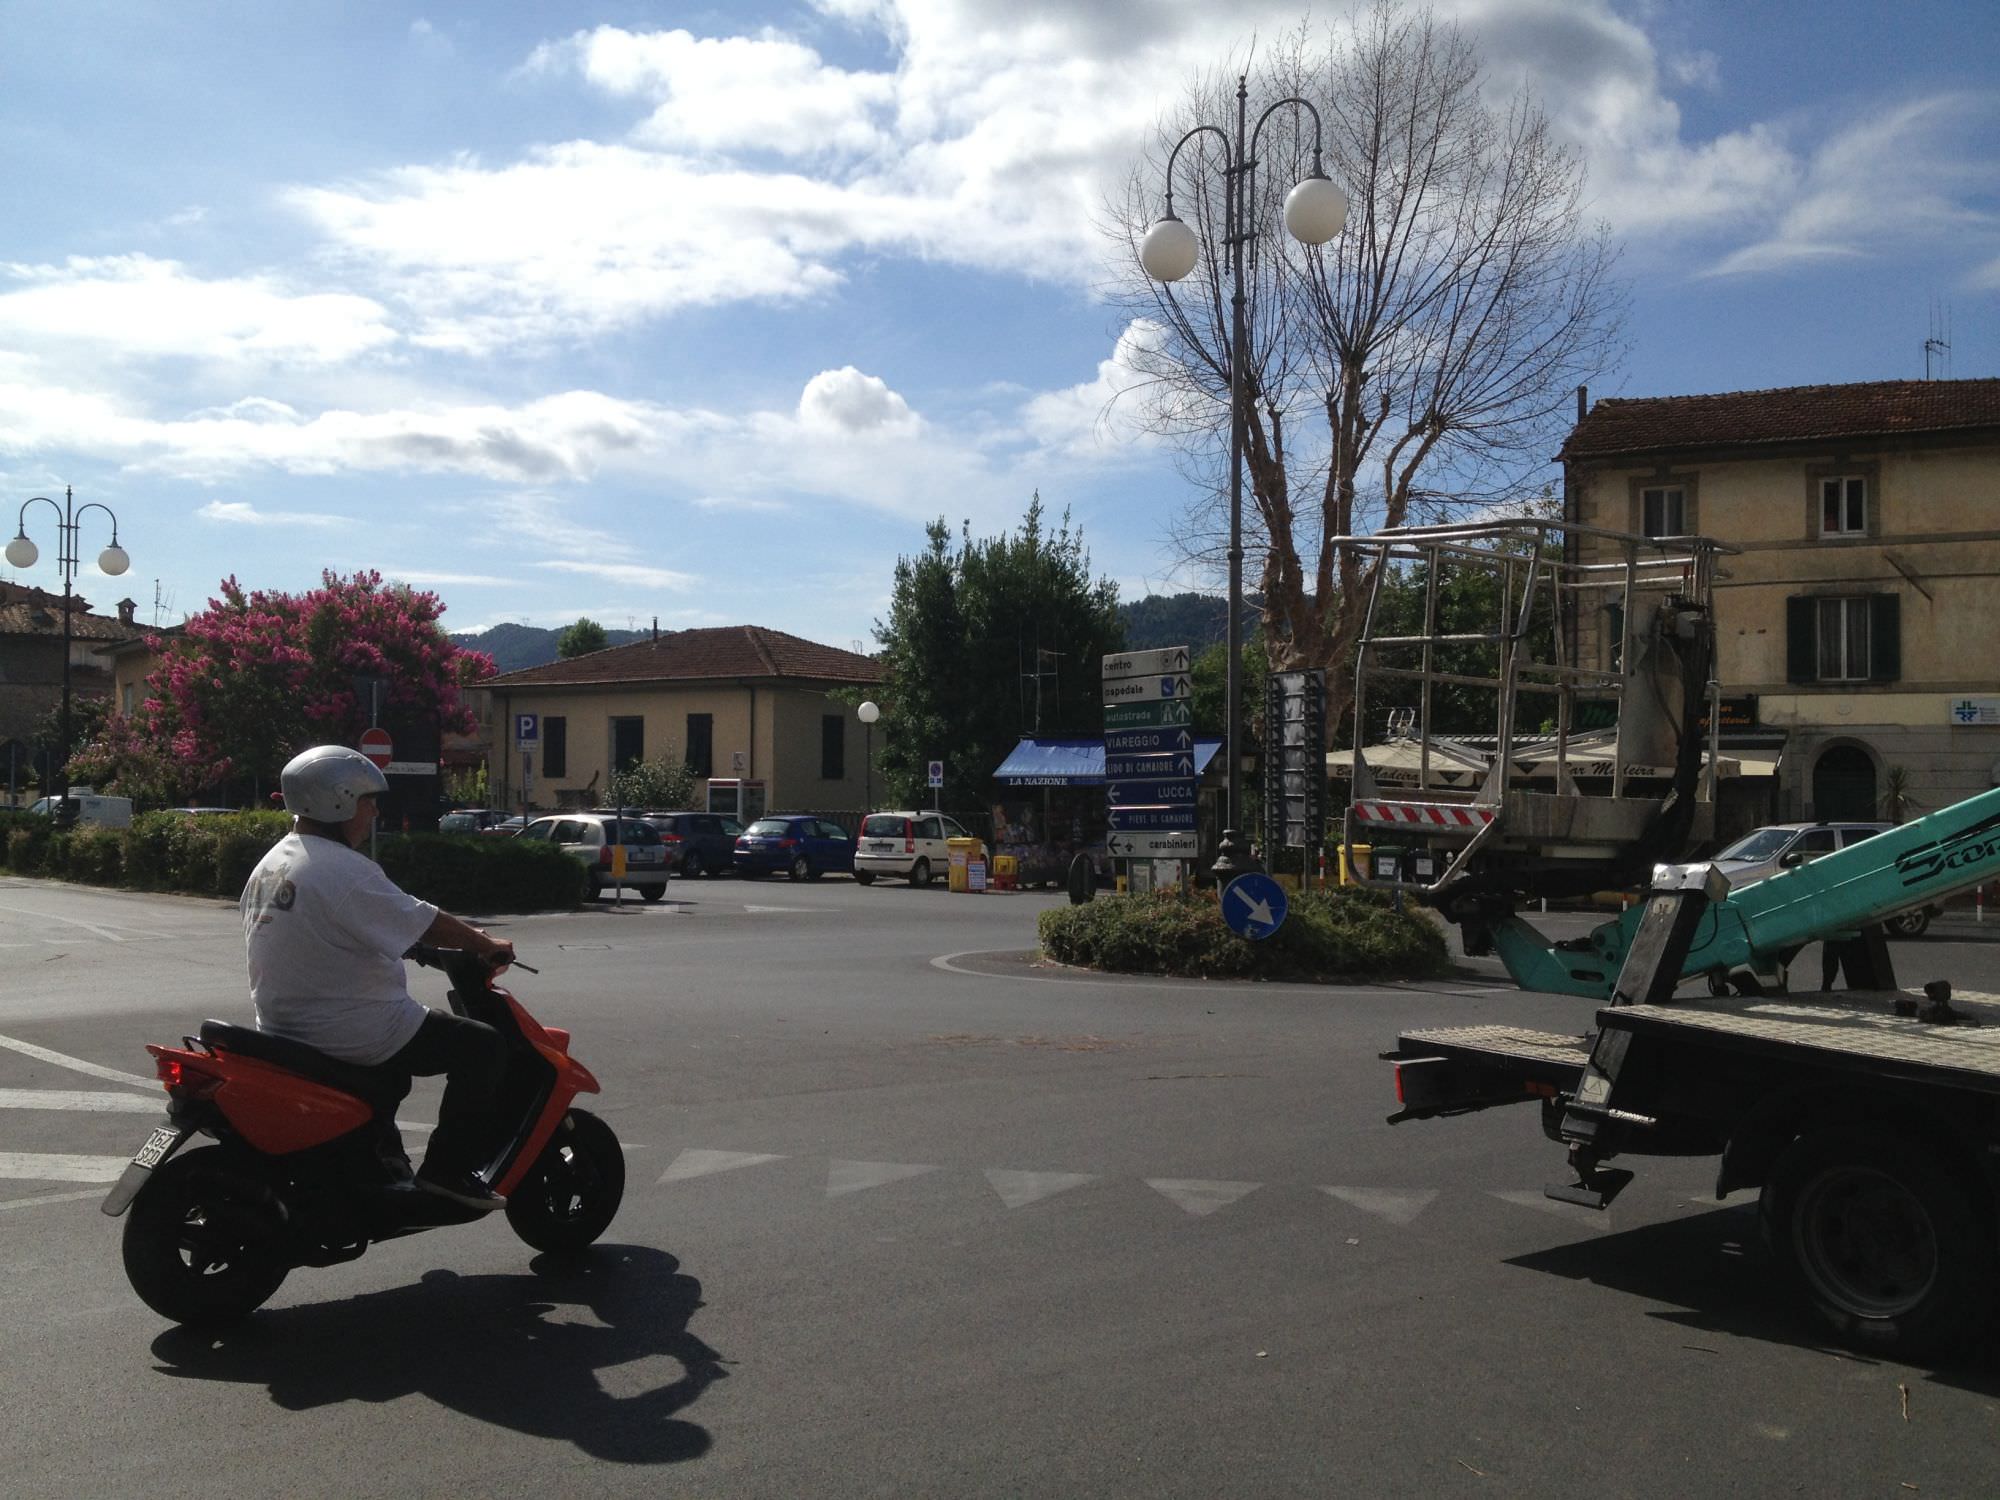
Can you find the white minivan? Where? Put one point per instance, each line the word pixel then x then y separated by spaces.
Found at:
pixel 910 844
pixel 92 809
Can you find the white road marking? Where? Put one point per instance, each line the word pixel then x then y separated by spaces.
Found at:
pixel 788 908
pixel 1198 1195
pixel 90 927
pixel 701 1163
pixel 1019 1189
pixel 854 1176
pixel 51 1166
pixel 1398 1207
pixel 1575 1213
pixel 113 1104
pixel 76 1064
pixel 88 1195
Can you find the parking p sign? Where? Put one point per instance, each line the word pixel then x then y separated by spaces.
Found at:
pixel 937 773
pixel 527 728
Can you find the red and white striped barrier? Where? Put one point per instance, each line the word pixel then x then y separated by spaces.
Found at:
pixel 1423 814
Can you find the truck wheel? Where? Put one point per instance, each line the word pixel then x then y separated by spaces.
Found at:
pixel 1882 1240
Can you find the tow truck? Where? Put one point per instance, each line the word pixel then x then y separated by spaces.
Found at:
pixel 1868 1118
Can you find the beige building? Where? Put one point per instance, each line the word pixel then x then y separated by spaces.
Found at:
pixel 1859 624
pixel 739 703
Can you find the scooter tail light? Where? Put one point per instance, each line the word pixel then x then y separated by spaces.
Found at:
pixel 185 1080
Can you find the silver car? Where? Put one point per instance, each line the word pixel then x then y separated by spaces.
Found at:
pixel 1764 852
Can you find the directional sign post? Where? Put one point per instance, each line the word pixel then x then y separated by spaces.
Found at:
pixel 1149 755
pixel 1254 905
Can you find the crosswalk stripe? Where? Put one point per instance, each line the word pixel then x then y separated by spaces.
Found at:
pixel 75 1064
pixel 1398 1207
pixel 86 1196
pixel 702 1163
pixel 854 1176
pixel 79 1099
pixel 53 1166
pixel 1019 1189
pixel 1199 1195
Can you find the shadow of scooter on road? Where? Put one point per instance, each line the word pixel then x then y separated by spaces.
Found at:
pixel 511 1350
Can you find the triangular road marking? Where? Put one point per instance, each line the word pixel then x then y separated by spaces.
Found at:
pixel 1575 1213
pixel 701 1163
pixel 1398 1207
pixel 1198 1195
pixel 1019 1189
pixel 853 1176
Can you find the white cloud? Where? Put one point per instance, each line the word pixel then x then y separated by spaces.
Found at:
pixel 243 513
pixel 1105 416
pixel 425 578
pixel 631 575
pixel 846 401
pixel 735 504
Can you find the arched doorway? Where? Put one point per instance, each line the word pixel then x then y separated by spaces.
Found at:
pixel 1844 785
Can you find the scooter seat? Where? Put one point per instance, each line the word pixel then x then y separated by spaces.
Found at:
pixel 382 1088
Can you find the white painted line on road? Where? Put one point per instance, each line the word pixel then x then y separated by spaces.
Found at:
pixel 91 927
pixel 854 1176
pixel 788 908
pixel 1198 1195
pixel 51 1166
pixel 702 1163
pixel 110 1104
pixel 1019 1189
pixel 88 1195
pixel 1385 1203
pixel 76 1064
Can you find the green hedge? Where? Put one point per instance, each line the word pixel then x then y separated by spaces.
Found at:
pixel 1340 934
pixel 213 855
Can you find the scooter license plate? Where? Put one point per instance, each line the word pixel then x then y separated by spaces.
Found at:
pixel 158 1144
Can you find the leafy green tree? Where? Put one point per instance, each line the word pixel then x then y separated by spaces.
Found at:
pixel 585 636
pixel 987 642
pixel 664 784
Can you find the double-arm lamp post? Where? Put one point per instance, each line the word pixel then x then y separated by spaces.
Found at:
pixel 1315 211
pixel 21 553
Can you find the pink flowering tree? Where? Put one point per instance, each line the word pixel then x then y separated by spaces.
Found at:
pixel 258 676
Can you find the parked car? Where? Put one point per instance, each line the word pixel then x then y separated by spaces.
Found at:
pixel 591 838
pixel 909 844
pixel 471 820
pixel 506 828
pixel 804 847
pixel 698 843
pixel 1763 852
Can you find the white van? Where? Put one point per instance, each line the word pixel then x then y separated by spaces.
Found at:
pixel 92 810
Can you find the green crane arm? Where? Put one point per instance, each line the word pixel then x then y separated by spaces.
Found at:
pixel 1761 925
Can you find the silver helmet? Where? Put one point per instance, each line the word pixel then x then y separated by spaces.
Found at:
pixel 327 782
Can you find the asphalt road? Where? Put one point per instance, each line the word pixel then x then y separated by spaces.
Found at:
pixel 908 1215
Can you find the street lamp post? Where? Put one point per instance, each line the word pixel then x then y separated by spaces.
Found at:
pixel 21 553
pixel 868 713
pixel 1315 211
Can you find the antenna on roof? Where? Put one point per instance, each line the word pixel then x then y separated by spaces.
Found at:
pixel 1937 348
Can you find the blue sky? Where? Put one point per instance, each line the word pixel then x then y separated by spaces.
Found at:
pixel 701 312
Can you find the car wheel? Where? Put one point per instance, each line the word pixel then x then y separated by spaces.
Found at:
pixel 1911 924
pixel 653 892
pixel 691 866
pixel 1881 1239
pixel 863 877
pixel 920 873
pixel 801 868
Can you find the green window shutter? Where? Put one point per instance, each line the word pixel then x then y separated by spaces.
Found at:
pixel 1616 633
pixel 1885 637
pixel 1801 638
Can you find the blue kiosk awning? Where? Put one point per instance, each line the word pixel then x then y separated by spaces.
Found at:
pixel 1076 762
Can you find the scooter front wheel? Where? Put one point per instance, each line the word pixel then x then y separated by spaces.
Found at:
pixel 199 1243
pixel 572 1193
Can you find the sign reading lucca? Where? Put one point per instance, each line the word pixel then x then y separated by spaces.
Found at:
pixel 1975 711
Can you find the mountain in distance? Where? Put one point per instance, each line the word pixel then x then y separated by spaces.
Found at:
pixel 513 647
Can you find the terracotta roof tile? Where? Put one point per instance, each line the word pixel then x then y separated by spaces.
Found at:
pixel 32 611
pixel 1800 413
pixel 679 655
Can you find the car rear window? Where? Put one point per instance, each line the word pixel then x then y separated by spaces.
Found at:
pixel 765 826
pixel 632 831
pixel 882 826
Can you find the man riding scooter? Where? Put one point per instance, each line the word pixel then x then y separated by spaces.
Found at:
pixel 325 931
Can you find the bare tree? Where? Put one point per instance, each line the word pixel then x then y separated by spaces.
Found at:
pixel 1418 365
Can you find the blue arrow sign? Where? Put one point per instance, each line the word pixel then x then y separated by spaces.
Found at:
pixel 1120 767
pixel 1151 793
pixel 1254 905
pixel 1151 819
pixel 1148 741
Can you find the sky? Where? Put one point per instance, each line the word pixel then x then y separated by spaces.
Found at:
pixel 699 314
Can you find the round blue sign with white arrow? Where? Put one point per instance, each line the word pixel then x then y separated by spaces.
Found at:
pixel 1254 905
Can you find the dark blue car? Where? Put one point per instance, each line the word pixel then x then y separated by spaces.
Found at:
pixel 803 847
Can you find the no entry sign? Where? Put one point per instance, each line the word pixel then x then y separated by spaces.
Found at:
pixel 376 746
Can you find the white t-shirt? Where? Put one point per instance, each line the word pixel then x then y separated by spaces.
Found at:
pixel 325 932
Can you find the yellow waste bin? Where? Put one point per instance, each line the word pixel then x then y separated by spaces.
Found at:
pixel 960 853
pixel 1363 853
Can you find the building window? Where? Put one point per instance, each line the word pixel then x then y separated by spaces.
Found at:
pixel 1663 511
pixel 555 746
pixel 833 747
pixel 628 743
pixel 1843 505
pixel 1854 638
pixel 701 744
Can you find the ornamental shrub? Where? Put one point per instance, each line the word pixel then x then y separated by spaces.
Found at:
pixel 94 856
pixel 240 840
pixel 484 874
pixel 1346 933
pixel 23 836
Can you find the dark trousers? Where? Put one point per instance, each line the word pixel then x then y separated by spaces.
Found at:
pixel 472 1058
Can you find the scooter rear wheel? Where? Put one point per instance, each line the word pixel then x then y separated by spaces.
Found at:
pixel 572 1193
pixel 199 1245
